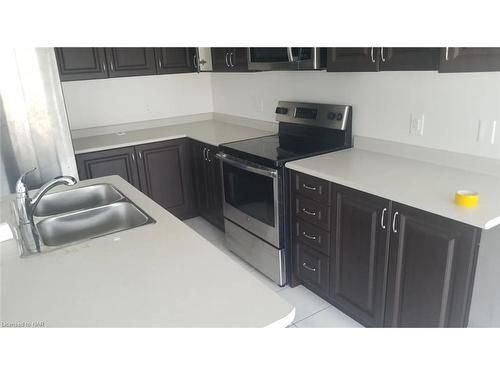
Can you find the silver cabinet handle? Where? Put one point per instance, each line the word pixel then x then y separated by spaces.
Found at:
pixel 112 66
pixel 382 217
pixel 372 56
pixel 208 155
pixel 194 61
pixel 446 53
pixel 308 212
pixel 308 267
pixel 313 188
pixel 133 156
pixel 231 55
pixel 140 154
pixel 394 222
pixel 205 153
pixel 104 66
pixel 309 236
pixel 159 62
pixel 382 54
pixel 227 63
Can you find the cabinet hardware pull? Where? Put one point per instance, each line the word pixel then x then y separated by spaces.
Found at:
pixel 159 62
pixel 112 66
pixel 308 212
pixel 227 55
pixel 140 154
pixel 309 236
pixel 371 55
pixel 382 54
pixel 208 155
pixel 231 59
pixel 382 221
pixel 104 65
pixel 133 156
pixel 313 188
pixel 204 153
pixel 308 267
pixel 394 222
pixel 446 53
pixel 194 61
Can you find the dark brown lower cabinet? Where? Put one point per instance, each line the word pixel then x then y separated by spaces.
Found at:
pixel 208 183
pixel 162 170
pixel 166 176
pixel 384 263
pixel 431 270
pixel 118 161
pixel 359 260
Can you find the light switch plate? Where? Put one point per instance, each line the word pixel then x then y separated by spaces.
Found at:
pixel 417 124
pixel 486 131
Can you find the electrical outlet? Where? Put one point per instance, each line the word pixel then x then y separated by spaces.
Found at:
pixel 486 131
pixel 417 124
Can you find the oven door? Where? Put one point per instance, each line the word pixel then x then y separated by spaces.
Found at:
pixel 251 197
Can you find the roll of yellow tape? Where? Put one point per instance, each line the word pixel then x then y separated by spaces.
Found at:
pixel 466 198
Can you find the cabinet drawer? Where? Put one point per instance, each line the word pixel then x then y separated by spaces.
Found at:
pixel 312 267
pixel 312 212
pixel 312 187
pixel 312 236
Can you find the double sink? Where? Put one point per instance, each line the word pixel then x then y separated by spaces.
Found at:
pixel 88 212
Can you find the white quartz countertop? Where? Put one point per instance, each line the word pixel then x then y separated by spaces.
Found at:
pixel 209 131
pixel 426 186
pixel 158 275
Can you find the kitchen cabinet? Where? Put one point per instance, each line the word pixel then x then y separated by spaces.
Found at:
pixel 353 59
pixel 161 170
pixel 125 62
pixel 229 59
pixel 400 59
pixel 372 59
pixel 431 269
pixel 381 262
pixel 208 183
pixel 118 161
pixel 81 63
pixel 176 60
pixel 166 176
pixel 469 60
pixel 359 260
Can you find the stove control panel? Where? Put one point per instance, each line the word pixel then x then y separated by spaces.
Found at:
pixel 324 115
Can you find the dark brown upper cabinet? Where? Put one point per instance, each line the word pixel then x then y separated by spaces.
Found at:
pixel 176 60
pixel 399 59
pixel 359 263
pixel 353 59
pixel 166 176
pixel 81 63
pixel 229 59
pixel 469 60
pixel 125 62
pixel 119 161
pixel 431 270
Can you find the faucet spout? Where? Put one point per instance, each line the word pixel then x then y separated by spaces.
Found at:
pixel 62 180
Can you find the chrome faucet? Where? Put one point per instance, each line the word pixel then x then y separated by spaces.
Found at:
pixel 25 207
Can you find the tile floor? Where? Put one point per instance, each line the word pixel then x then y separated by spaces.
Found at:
pixel 311 311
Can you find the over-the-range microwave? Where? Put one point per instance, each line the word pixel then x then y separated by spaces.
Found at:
pixel 286 58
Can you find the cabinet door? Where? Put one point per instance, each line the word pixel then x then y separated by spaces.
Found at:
pixel 353 59
pixel 220 60
pixel 409 58
pixel 165 173
pixel 359 260
pixel 175 60
pixel 469 60
pixel 81 63
pixel 238 59
pixel 124 62
pixel 431 270
pixel 215 188
pixel 120 161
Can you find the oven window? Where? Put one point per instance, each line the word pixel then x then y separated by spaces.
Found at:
pixel 250 193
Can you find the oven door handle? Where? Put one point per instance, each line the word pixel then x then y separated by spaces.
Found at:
pixel 246 167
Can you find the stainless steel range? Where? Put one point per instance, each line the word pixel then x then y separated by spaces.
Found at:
pixel 255 180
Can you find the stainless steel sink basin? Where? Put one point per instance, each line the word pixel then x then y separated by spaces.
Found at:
pixel 77 199
pixel 90 223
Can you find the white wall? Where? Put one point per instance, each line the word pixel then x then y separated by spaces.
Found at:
pixel 104 102
pixel 382 102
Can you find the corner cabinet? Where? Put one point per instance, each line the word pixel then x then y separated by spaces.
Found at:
pixel 161 170
pixel 381 262
pixel 208 182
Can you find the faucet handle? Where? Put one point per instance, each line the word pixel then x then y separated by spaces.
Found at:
pixel 21 187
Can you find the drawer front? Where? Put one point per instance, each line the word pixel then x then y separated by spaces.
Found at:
pixel 312 187
pixel 312 267
pixel 312 236
pixel 312 212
